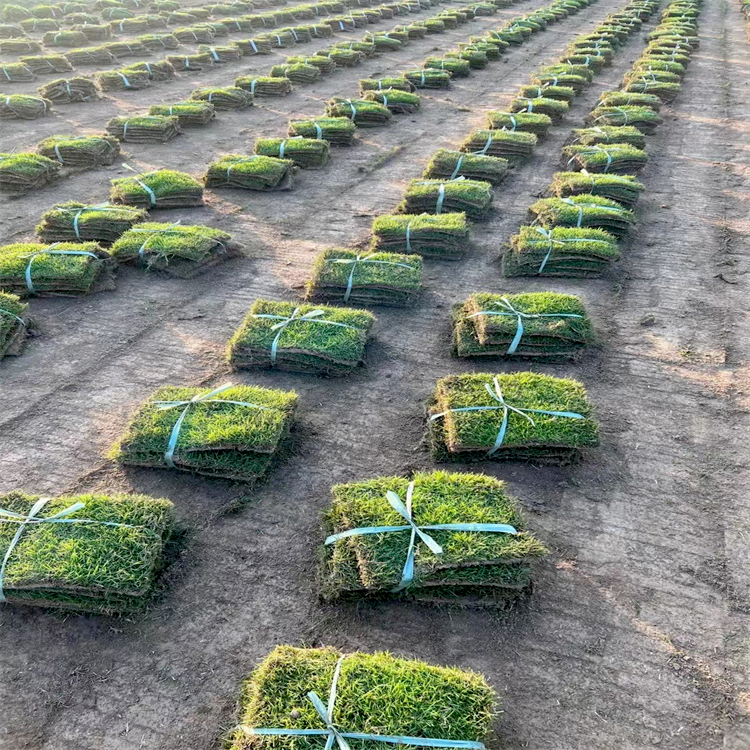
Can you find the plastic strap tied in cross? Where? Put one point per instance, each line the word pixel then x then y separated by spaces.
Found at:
pixel 363 259
pixel 50 251
pixel 581 206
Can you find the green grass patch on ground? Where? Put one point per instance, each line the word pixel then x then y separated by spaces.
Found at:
pixel 16 73
pixel 338 131
pixel 194 63
pixel 251 172
pixel 624 189
pixel 667 92
pixel 613 158
pixel 461 427
pixel 91 56
pixel 369 278
pixel 522 122
pixel 85 152
pixel 21 173
pixel 375 694
pixel 216 437
pixel 590 211
pixel 443 235
pixel 301 338
pixel 472 197
pixel 451 164
pixel 13 324
pixel 163 188
pixel 306 153
pixel 77 222
pixel 156 71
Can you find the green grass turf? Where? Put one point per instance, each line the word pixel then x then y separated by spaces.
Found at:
pixel 431 235
pixel 473 197
pixel 307 153
pixel 164 183
pixel 626 114
pixel 228 97
pixel 23 106
pixel 361 112
pixel 12 330
pixel 26 165
pixel 376 693
pixel 188 113
pixel 448 164
pixel 563 93
pixel 624 189
pixel 378 84
pixel 397 101
pixel 429 78
pixel 553 108
pixel 610 157
pixel 605 134
pixel 528 122
pixel 335 130
pixel 97 223
pixel 457 67
pixel 250 172
pixel 588 211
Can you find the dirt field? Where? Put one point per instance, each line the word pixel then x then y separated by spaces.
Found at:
pixel 637 635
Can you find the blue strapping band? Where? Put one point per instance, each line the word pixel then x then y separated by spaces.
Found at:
pixel 363 259
pixel 50 251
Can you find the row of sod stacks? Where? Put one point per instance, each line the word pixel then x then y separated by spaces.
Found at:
pixel 250 172
pixel 486 559
pixel 235 432
pixel 163 188
pixel 103 558
pixel 22 173
pixel 14 325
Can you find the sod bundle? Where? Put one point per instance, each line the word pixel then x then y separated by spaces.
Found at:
pixel 158 42
pixel 344 58
pixel 163 188
pixel 306 153
pixel 14 326
pixel 16 73
pixel 250 172
pixel 90 56
pixel 179 250
pixel 458 68
pixel 363 113
pixel 265 85
pixel 609 158
pixel 157 71
pixel 586 210
pixel 624 189
pixel 144 128
pixel 520 122
pixel 572 80
pixel 45 64
pixel 338 131
pixel 228 97
pixel 64 39
pixel 645 119
pixel 235 432
pixel 79 222
pixel 560 251
pixel 605 134
pixel 69 90
pixel 667 92
pixel 534 325
pixel 513 145
pixel 443 235
pixel 370 278
pixel 376 694
pixel 380 84
pixel 93 32
pixel 123 80
pixel 300 73
pixel 324 64
pixel 257 46
pixel 64 269
pixel 194 35
pixel 190 62
pixel 23 107
pixel 11 30
pixel 221 55
pixel 188 114
pixel 19 46
pixel 126 49
pixel 561 93
pixel 553 108
pixel 471 197
pixel 104 559
pixel 398 102
pixel 301 338
pixel 518 402
pixel 24 172
pixel 447 164
pixel 429 78
pixel 84 152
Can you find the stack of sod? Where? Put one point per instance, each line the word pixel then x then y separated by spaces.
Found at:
pixel 158 71
pixel 624 189
pixel 234 432
pixel 306 153
pixel 228 97
pixel 519 122
pixel 370 278
pixel 257 46
pixel 645 119
pixel 123 80
pixel 488 565
pixel 90 56
pixel 19 46
pixel 537 325
pixel 11 30
pixel 94 32
pixel 64 39
pixel 179 250
pixel 532 417
pixel 363 113
pixel 379 84
pixel 44 64
pixel 608 134
pixel 397 101
pixel 194 34
pixel 16 73
pixel 65 268
pixel 84 152
pixel 23 107
pixel 221 55
pixel 457 67
pixel 561 251
pixel 609 158
pixel 429 78
pixel 345 58
pixel 187 113
pixel 451 164
pixel 193 63
pixel 300 73
pixel 375 694
pixel 163 188
pixel 250 172
pixel 585 210
pixel 561 93
pixel 301 338
pixel 575 81
pixel 472 197
pixel 69 90
pixel 13 325
pixel 666 91
pixel 75 221
pixel 515 146
pixel 553 108
pixel 104 559
pixel 324 64
pixel 144 128
pixel 158 42
pixel 21 173
pixel 265 85
pixel 443 236
pixel 338 131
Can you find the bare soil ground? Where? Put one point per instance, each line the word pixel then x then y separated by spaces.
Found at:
pixel 637 635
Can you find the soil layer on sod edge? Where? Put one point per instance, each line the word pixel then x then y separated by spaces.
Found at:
pixel 636 634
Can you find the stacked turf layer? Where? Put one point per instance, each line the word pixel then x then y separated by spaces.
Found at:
pixel 306 153
pixel 232 440
pixel 158 71
pixel 229 97
pixel 369 278
pixel 265 85
pixel 163 188
pixel 472 197
pixel 108 566
pixel 375 694
pixel 179 250
pixel 53 273
pixel 85 152
pixel 250 172
pixel 473 568
pixel 363 113
pixel 475 434
pixel 21 173
pixel 397 101
pixel 144 128
pixel 429 78
pixel 584 210
pixel 69 90
pixel 451 164
pixel 553 108
pixel 381 84
pixel 606 134
pixel 515 146
pixel 45 64
pixel 607 158
pixel 620 98
pixel 521 122
pixel 13 324
pixel 329 342
pixel 552 326
pixel 338 131
pixel 187 113
pixel 624 189
pixel 75 221
pixel 561 251
pixel 16 73
pixel 123 80
pixel 645 119
pixel 432 236
pixel 23 107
